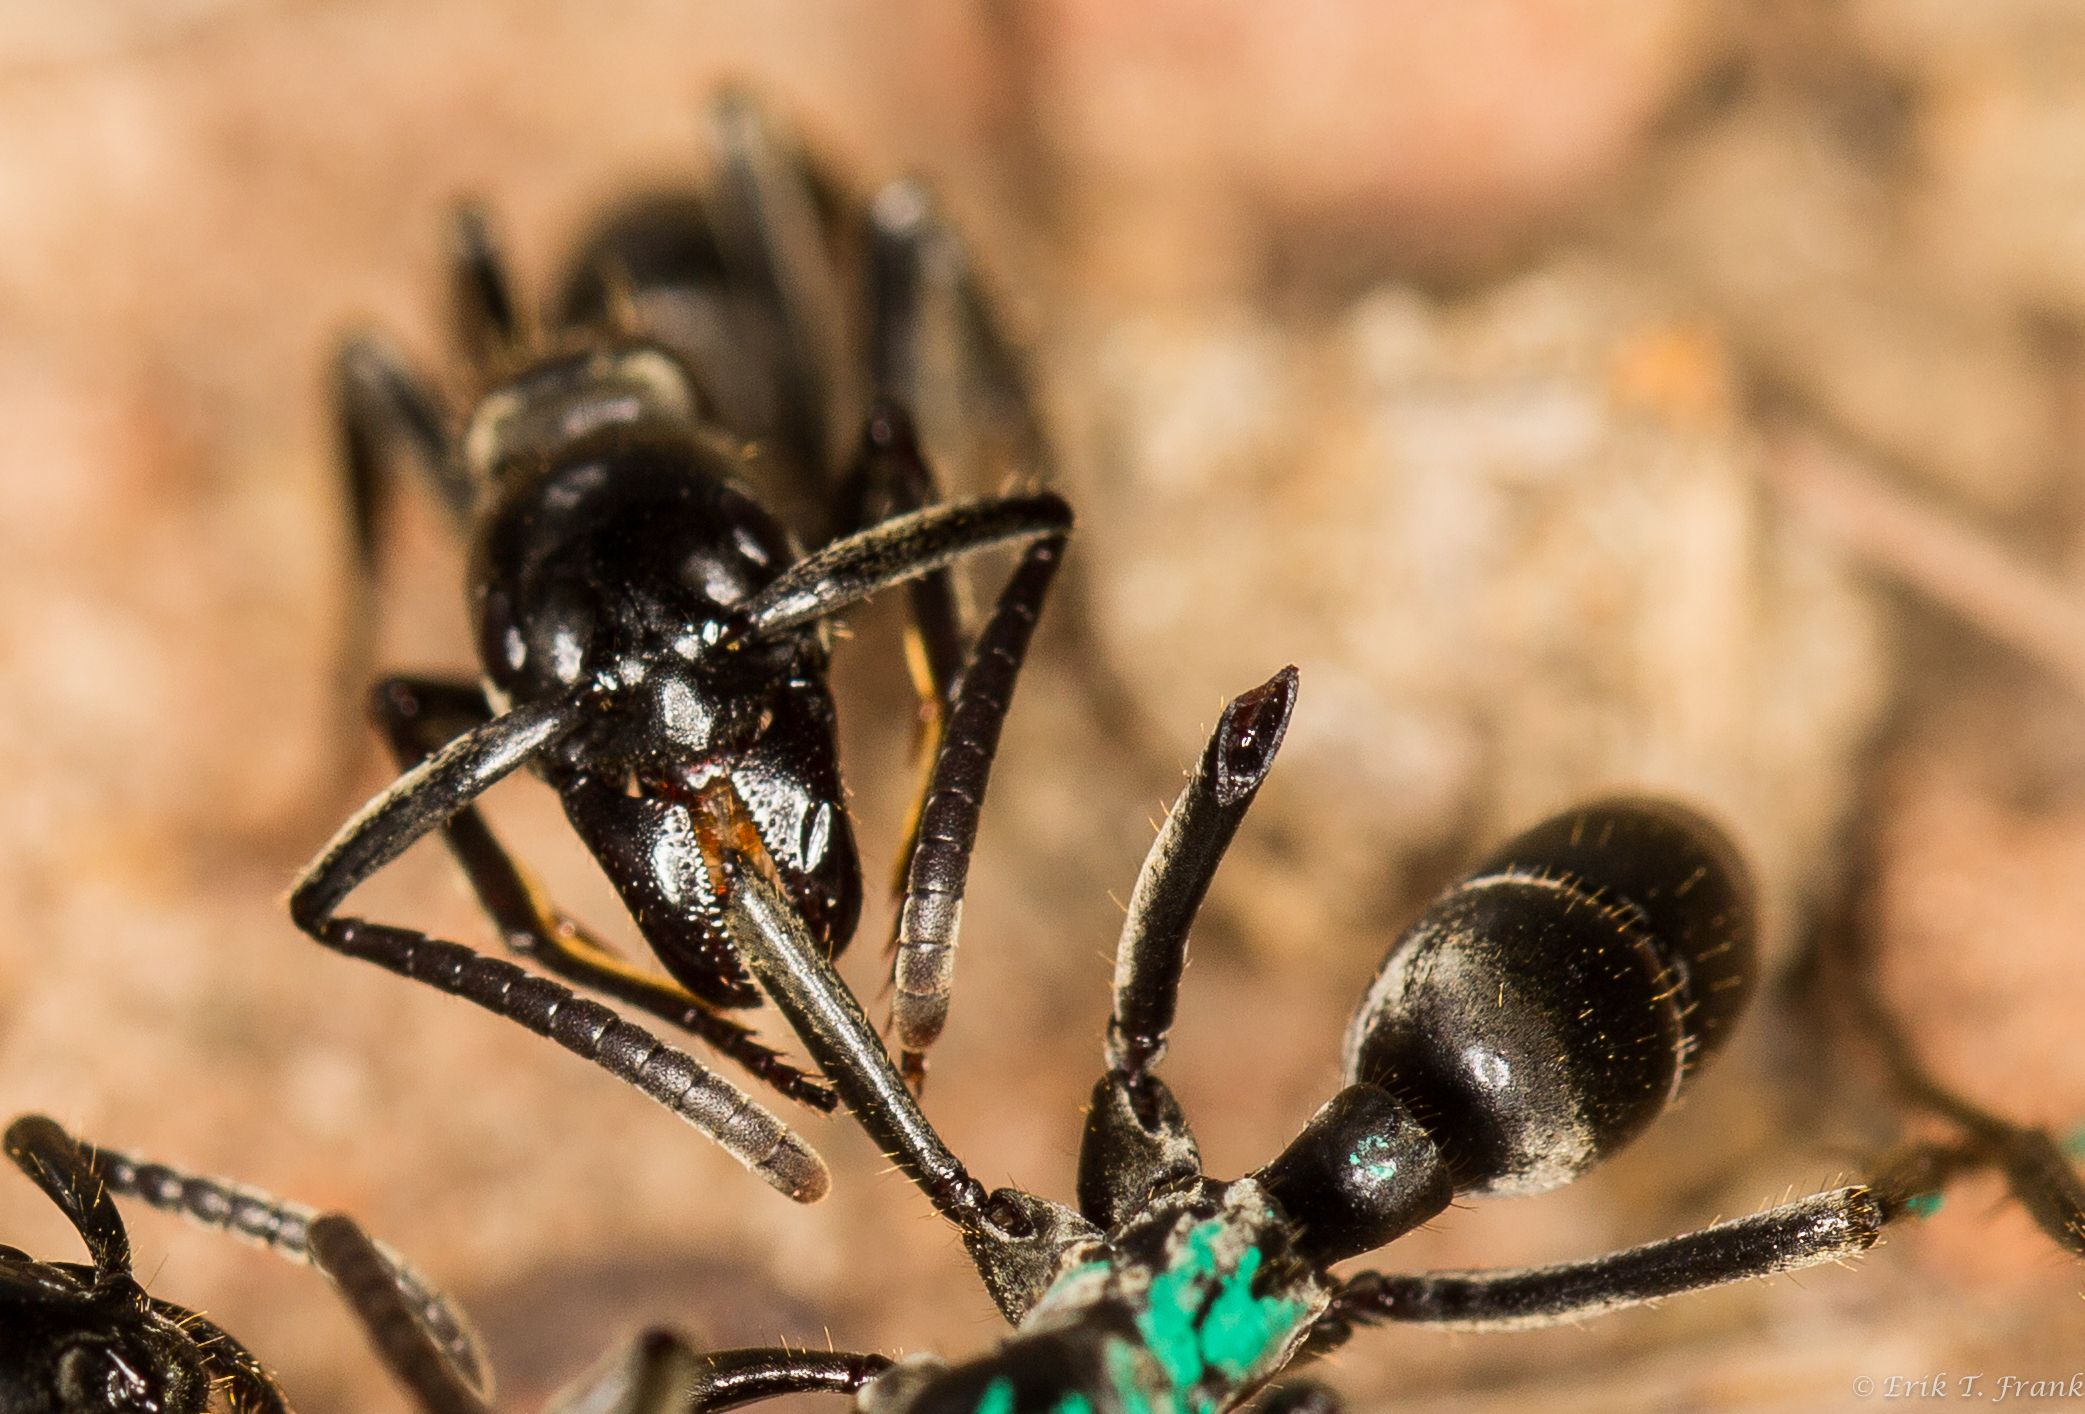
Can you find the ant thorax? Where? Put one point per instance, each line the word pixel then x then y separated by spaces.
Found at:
pixel 1192 1303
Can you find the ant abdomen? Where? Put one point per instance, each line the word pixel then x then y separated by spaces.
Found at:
pixel 1538 1015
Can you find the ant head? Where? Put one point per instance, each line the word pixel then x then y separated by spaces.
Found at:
pixel 66 1351
pixel 1541 1013
pixel 79 1338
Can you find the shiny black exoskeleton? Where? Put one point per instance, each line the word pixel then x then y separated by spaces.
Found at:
pixel 653 643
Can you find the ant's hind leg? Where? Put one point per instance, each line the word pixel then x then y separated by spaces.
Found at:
pixel 775 240
pixel 1825 1227
pixel 2035 1167
pixel 419 716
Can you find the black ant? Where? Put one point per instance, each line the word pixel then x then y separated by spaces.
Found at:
pixel 1537 1017
pixel 89 1340
pixel 650 636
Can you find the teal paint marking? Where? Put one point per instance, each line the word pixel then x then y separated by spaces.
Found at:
pixel 1376 1170
pixel 1922 1205
pixel 1073 1404
pixel 1240 1328
pixel 1199 1319
pixel 2074 1142
pixel 1072 1275
pixel 1122 1373
pixel 998 1398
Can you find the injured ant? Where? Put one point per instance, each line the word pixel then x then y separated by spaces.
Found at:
pixel 88 1340
pixel 650 636
pixel 1537 1017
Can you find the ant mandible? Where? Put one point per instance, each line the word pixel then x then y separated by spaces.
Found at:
pixel 649 636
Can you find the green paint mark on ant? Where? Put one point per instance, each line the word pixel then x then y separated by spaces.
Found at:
pixel 1376 1170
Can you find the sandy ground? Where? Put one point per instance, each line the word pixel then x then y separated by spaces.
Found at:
pixel 1676 397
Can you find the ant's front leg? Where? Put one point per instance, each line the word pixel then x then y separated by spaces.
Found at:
pixel 428 796
pixel 923 959
pixel 1826 1227
pixel 1137 1139
pixel 417 717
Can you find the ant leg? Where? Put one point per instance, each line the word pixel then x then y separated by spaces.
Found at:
pixel 1017 1241
pixel 489 322
pixel 382 410
pixel 2041 1178
pixel 390 1316
pixel 382 407
pixel 891 552
pixel 1137 1139
pixel 281 1227
pixel 1825 1227
pixel 418 716
pixel 921 274
pixel 774 240
pixel 891 477
pixel 660 1373
pixel 427 796
pixel 923 962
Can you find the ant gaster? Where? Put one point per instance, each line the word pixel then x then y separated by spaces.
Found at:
pixel 652 643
